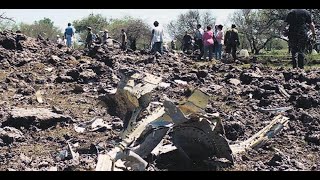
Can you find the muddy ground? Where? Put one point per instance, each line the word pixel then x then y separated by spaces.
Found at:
pixel 72 83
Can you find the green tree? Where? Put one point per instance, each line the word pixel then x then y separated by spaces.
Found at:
pixel 96 21
pixel 259 26
pixel 136 29
pixel 44 27
pixel 277 44
pixel 8 25
pixel 188 22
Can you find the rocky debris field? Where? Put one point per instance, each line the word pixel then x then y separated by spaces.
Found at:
pixel 51 109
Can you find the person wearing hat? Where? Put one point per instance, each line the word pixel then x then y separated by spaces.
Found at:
pixel 105 36
pixel 59 40
pixel 89 38
pixel 68 34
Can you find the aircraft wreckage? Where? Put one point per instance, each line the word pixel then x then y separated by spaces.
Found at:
pixel 197 135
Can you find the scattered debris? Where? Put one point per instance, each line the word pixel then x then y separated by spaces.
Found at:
pixel 262 136
pixel 40 117
pixel 53 168
pixel 79 129
pixel 9 134
pixel 283 91
pixel 275 110
pixel 152 113
pixel 74 155
pixel 96 124
pixel 99 124
pixel 164 85
pixel 180 82
pixel 39 97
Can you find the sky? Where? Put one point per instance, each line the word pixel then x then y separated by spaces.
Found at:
pixel 61 17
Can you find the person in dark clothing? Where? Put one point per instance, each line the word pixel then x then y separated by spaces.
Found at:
pixel 173 45
pixel 231 41
pixel 133 44
pixel 98 39
pixel 18 38
pixel 299 20
pixel 187 42
pixel 89 38
pixel 198 40
pixel 105 37
pixel 123 40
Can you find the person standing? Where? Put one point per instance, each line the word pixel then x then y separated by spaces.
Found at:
pixel 68 35
pixel 124 40
pixel 215 43
pixel 89 39
pixel 173 45
pixel 187 42
pixel 219 40
pixel 133 44
pixel 18 38
pixel 157 38
pixel 198 40
pixel 208 37
pixel 231 41
pixel 60 42
pixel 105 36
pixel 299 20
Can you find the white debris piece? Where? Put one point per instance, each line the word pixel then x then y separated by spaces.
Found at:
pixel 100 123
pixel 161 149
pixel 79 129
pixel 164 85
pixel 180 82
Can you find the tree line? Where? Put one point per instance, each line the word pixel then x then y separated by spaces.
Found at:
pixel 137 29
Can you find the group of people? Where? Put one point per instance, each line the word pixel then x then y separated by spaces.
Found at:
pixel 299 22
pixel 95 38
pixel 211 42
pixel 67 38
pixel 208 42
pixel 69 33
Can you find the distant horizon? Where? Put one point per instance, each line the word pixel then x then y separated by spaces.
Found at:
pixel 61 17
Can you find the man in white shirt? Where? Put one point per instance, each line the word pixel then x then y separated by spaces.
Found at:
pixel 59 40
pixel 157 38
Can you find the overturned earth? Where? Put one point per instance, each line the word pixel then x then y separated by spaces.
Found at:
pixel 47 93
